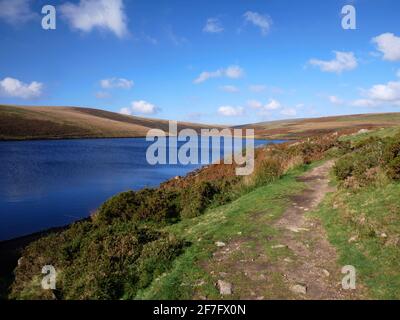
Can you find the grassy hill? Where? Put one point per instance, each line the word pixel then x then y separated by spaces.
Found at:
pixel 298 128
pixel 21 123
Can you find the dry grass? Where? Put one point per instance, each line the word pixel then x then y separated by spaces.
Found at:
pixel 299 128
pixel 20 123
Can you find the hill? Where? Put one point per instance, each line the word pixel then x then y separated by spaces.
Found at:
pixel 299 128
pixel 24 123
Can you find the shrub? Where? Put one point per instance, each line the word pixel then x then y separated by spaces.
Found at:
pixel 267 171
pixel 109 262
pixel 394 168
pixel 148 204
pixel 344 167
pixel 195 199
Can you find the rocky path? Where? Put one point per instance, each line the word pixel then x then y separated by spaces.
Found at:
pixel 300 264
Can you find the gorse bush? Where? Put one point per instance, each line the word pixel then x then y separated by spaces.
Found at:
pixel 105 262
pixel 196 199
pixel 148 204
pixel 370 161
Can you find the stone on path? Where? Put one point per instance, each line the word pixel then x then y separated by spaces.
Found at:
pixel 299 289
pixel 220 244
pixel 225 288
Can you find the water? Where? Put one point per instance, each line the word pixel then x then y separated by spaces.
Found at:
pixel 45 184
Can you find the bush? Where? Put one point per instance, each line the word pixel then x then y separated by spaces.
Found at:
pixel 106 262
pixel 197 198
pixel 148 204
pixel 394 168
pixel 267 171
pixel 344 167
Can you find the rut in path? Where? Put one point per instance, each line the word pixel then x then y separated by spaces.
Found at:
pixel 309 270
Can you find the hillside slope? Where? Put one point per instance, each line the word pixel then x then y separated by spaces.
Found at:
pixel 20 123
pixel 298 128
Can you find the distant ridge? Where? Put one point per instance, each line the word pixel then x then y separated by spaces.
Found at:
pixel 25 123
pixel 300 128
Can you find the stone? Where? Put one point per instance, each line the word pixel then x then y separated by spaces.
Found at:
pixel 353 239
pixel 299 289
pixel 220 244
pixel 279 246
pixel 326 272
pixel 225 288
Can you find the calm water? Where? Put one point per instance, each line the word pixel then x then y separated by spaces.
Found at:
pixel 45 184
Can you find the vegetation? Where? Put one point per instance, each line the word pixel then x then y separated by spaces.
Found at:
pixel 363 217
pixel 151 244
pixel 127 243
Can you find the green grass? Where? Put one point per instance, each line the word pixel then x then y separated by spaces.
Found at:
pixel 381 133
pixel 372 215
pixel 250 217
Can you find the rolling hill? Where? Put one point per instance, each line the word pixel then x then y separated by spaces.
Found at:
pixel 300 128
pixel 24 123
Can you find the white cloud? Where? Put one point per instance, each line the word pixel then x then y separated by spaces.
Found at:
pixel 230 89
pixel 398 73
pixel 232 72
pixel 389 45
pixel 229 111
pixel 13 88
pixel 265 108
pixel 126 111
pixel 144 107
pixel 213 25
pixel 273 105
pixel 380 94
pixel 344 61
pixel 335 100
pixel 16 11
pixel 290 112
pixel 385 92
pixel 257 88
pixel 264 22
pixel 92 14
pixel 119 83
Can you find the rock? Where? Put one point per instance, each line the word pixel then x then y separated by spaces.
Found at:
pixel 20 261
pixel 225 288
pixel 279 246
pixel 260 298
pixel 220 244
pixel 363 131
pixel 383 235
pixel 299 289
pixel 353 239
pixel 297 230
pixel 326 272
pixel 288 260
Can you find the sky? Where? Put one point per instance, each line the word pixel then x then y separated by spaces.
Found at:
pixel 220 61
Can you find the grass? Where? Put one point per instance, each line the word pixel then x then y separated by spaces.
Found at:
pixel 381 133
pixel 250 217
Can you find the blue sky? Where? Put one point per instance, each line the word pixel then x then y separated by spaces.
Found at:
pixel 225 61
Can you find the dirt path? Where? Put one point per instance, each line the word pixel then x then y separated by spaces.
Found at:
pixel 300 265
